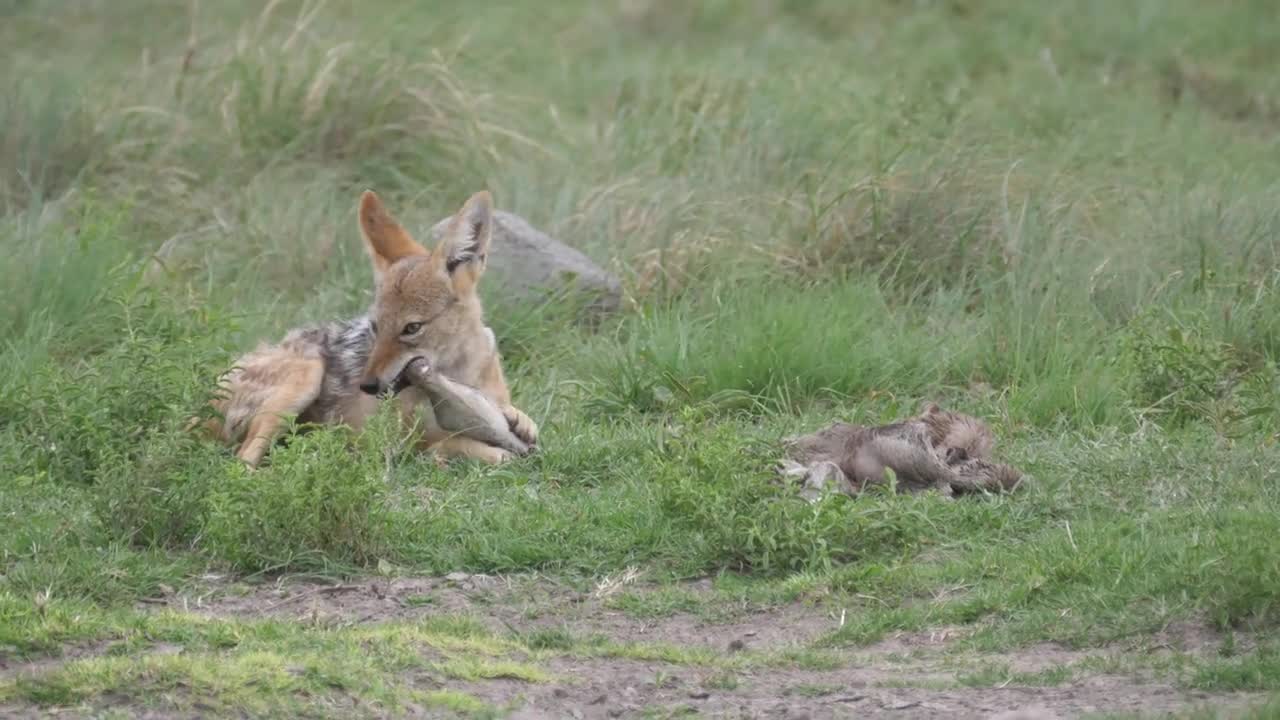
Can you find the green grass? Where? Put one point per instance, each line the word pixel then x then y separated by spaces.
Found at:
pixel 1254 671
pixel 265 667
pixel 1060 219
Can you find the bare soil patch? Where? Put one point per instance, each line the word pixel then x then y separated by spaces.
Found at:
pixel 614 688
pixel 907 675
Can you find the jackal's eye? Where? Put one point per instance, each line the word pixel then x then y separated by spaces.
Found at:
pixel 373 328
pixel 411 328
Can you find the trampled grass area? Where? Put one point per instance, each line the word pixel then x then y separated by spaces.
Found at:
pixel 1062 219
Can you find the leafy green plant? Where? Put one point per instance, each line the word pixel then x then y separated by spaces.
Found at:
pixel 1177 367
pixel 322 500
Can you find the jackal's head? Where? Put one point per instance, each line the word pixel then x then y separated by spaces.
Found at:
pixel 426 304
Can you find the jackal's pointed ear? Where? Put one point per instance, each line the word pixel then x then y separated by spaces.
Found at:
pixel 465 246
pixel 384 238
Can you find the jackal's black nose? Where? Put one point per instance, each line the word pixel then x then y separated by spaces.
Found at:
pixel 372 387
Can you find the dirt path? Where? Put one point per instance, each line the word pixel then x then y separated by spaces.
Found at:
pixel 918 675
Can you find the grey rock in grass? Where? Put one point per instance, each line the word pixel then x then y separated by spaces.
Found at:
pixel 530 265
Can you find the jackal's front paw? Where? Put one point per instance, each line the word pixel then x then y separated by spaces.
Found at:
pixel 521 425
pixel 496 455
pixel 458 446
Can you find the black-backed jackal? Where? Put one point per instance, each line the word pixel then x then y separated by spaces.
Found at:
pixel 425 305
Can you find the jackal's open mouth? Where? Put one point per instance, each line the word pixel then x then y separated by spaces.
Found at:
pixel 402 380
